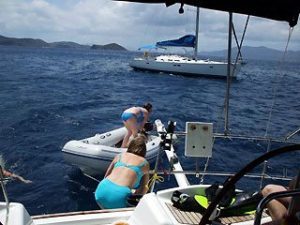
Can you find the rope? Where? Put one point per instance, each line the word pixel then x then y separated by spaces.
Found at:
pixel 275 88
pixel 205 169
pixel 153 179
pixel 4 191
pixel 93 178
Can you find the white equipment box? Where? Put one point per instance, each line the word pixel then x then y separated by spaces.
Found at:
pixel 199 139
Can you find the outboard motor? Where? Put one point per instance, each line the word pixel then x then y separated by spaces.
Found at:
pixel 148 126
pixel 167 137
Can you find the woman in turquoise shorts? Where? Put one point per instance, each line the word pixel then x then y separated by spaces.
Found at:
pixel 134 120
pixel 128 170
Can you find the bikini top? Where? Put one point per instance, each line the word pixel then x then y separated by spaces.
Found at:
pixel 136 168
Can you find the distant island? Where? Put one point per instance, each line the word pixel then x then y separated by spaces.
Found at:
pixel 248 53
pixel 257 53
pixel 112 46
pixel 39 43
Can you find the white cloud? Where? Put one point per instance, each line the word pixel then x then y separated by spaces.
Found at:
pixel 132 24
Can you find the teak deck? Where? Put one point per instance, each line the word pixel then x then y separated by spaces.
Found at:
pixel 194 218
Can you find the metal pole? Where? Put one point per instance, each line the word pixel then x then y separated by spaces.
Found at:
pixel 262 204
pixel 292 134
pixel 228 74
pixel 4 190
pixel 197 34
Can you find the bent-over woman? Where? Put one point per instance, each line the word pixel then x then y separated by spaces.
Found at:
pixel 128 170
pixel 134 120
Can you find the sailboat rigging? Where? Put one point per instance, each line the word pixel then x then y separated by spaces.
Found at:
pixel 157 208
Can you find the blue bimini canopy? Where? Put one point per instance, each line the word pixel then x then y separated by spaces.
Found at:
pixel 185 41
pixel 147 47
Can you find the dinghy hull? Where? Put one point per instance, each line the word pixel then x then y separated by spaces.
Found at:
pixel 93 155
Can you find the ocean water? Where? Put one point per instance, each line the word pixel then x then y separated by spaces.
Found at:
pixel 50 96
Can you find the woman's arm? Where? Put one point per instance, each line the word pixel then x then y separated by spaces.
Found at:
pixel 15 176
pixel 111 166
pixel 6 173
pixel 146 117
pixel 143 189
pixel 20 178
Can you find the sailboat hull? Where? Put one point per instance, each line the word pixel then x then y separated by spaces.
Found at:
pixel 184 66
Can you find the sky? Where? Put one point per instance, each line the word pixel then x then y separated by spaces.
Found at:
pixel 133 25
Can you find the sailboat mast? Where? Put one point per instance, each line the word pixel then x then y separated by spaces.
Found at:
pixel 228 74
pixel 197 32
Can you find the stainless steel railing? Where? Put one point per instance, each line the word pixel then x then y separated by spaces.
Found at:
pixel 2 179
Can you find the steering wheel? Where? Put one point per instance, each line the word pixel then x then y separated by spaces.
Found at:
pixel 229 183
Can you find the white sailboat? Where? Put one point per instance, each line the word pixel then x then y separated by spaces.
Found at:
pixel 176 64
pixel 157 208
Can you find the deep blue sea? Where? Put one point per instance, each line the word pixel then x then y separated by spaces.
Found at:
pixel 50 96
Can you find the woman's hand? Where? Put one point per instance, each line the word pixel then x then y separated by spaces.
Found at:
pixel 15 176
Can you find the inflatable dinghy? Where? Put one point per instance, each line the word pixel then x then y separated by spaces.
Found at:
pixel 94 154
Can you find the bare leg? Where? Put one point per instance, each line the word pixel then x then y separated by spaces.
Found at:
pixel 131 130
pixel 277 208
pixel 126 139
